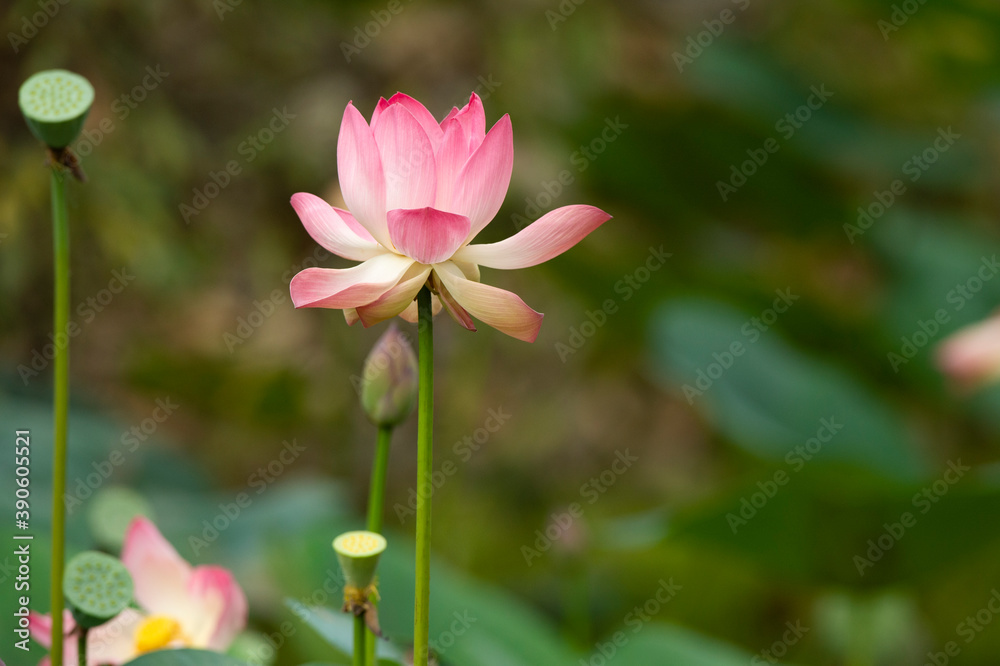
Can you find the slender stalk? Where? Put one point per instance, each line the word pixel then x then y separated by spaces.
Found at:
pixel 376 493
pixel 425 437
pixel 60 405
pixel 376 500
pixel 359 640
pixel 81 649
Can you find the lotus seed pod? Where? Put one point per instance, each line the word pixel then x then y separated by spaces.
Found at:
pixel 55 103
pixel 97 586
pixel 389 382
pixel 358 553
pixel 110 513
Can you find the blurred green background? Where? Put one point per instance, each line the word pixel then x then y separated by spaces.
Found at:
pixel 770 486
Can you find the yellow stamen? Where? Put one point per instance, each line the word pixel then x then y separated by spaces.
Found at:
pixel 155 633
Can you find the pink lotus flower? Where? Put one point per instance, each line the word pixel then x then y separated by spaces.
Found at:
pixel 182 606
pixel 971 356
pixel 419 191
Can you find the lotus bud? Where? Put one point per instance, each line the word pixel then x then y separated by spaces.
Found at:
pixel 389 380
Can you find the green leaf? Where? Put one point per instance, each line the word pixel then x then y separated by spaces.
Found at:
pixel 338 630
pixel 839 527
pixel 769 398
pixel 672 645
pixel 941 278
pixel 472 622
pixel 184 658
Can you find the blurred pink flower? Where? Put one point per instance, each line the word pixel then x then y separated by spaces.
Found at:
pixel 182 606
pixel 971 356
pixel 419 191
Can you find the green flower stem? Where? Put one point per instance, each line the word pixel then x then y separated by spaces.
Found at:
pixel 359 640
pixel 60 401
pixel 425 438
pixel 376 500
pixel 376 493
pixel 82 646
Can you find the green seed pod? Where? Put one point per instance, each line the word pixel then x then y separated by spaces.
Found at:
pixel 55 103
pixel 97 587
pixel 110 513
pixel 358 553
pixel 389 381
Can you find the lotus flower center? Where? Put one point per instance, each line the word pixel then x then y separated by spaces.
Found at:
pixel 155 633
